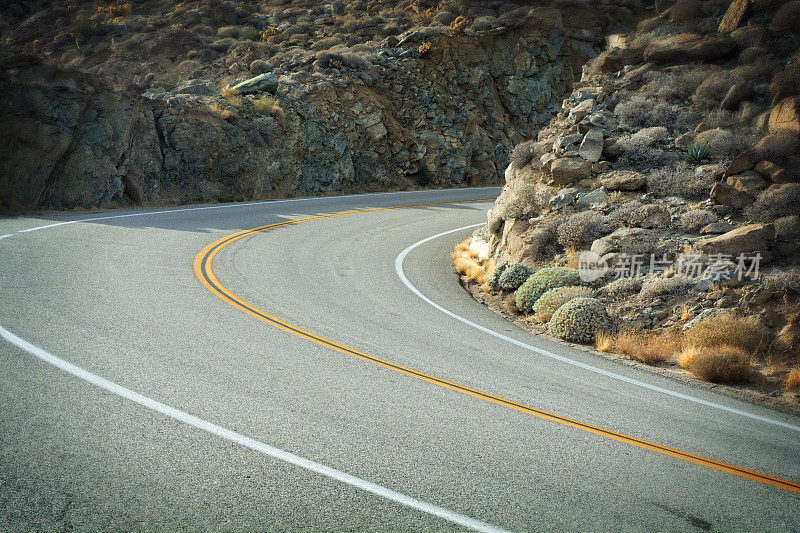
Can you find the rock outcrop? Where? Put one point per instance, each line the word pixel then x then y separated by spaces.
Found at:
pixel 391 118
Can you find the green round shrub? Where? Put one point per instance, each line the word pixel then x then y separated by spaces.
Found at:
pixel 579 320
pixel 514 276
pixel 494 281
pixel 550 301
pixel 542 281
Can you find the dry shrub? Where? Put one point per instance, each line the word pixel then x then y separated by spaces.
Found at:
pixel 776 202
pixel 679 180
pixel 604 341
pixel 783 280
pixel 722 142
pixel 660 286
pixel 713 89
pixel 744 333
pixel 467 263
pixel 639 113
pixel 718 364
pixel 678 85
pixel 696 219
pixel 787 18
pixel 643 347
pixel 776 147
pixel 581 228
pixel 523 154
pixel 792 380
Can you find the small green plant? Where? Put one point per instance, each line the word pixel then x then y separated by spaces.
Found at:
pixel 252 35
pixel 580 320
pixel 697 152
pixel 494 280
pixel 514 276
pixel 553 299
pixel 542 281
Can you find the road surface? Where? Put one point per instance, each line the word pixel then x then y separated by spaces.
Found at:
pixel 331 374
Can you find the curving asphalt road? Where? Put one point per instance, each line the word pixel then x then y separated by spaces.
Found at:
pixel 136 398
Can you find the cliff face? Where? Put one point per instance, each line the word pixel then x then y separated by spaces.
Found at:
pixel 389 118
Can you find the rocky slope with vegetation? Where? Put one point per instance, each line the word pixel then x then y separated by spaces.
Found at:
pixel 656 216
pixel 152 102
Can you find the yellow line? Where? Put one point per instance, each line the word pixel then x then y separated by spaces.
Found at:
pixel 203 268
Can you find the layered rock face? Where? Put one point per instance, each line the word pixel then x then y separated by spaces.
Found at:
pixel 446 117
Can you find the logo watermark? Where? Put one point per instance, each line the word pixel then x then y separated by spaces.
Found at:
pixel 716 267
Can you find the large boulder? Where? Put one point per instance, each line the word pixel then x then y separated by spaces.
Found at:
pixel 263 82
pixel 591 148
pixel 786 115
pixel 569 170
pixel 735 16
pixel 749 182
pixel 742 162
pixel 724 194
pixel 746 240
pixel 736 95
pixel 688 48
pixel 623 180
pixel 614 59
pixel 199 87
pixel 773 172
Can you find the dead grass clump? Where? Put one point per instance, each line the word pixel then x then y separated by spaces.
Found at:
pixel 718 364
pixel 792 380
pixel 467 263
pixel 604 341
pixel 643 347
pixel 744 333
pixel 268 105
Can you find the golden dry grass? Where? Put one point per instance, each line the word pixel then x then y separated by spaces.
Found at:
pixel 468 264
pixel 686 356
pixel 744 333
pixel 604 342
pixel 718 364
pixel 792 380
pixel 643 347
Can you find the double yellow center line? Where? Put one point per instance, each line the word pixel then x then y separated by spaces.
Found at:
pixel 203 268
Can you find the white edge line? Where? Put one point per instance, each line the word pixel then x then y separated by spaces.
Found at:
pixel 398 266
pixel 247 442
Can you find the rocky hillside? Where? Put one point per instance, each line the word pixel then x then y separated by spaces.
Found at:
pixel 662 200
pixel 154 102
